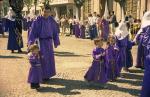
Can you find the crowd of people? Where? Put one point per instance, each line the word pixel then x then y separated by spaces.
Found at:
pixel 108 62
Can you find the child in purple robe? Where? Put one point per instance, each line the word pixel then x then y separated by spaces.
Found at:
pixel 97 72
pixel 111 56
pixel 129 60
pixel 35 72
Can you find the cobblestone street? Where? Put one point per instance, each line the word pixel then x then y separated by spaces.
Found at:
pixel 73 58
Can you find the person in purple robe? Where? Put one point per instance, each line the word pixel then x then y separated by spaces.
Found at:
pixel 82 31
pixel 77 29
pixel 29 23
pixel 73 24
pixel 45 32
pixel 111 56
pixel 35 72
pixel 145 92
pixel 104 25
pixel 129 60
pixel 145 42
pixel 121 41
pixel 15 40
pixel 97 72
pixel 140 52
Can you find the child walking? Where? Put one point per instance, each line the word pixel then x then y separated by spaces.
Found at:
pixel 111 57
pixel 97 72
pixel 129 60
pixel 35 72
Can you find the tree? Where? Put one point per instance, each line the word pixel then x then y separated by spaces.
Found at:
pixel 122 4
pixel 79 4
pixel 28 3
pixel 5 6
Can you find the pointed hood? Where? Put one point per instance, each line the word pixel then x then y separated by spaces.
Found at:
pixel 106 12
pixel 145 23
pixel 122 30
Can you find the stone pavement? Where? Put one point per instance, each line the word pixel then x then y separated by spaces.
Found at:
pixel 73 59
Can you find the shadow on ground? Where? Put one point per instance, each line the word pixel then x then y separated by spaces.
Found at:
pixel 72 87
pixel 9 57
pixel 6 36
pixel 132 76
pixel 131 82
pixel 136 71
pixel 68 54
pixel 23 52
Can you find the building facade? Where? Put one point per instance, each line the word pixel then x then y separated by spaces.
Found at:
pixel 63 7
pixel 136 8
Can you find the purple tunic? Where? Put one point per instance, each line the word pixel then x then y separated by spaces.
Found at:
pixel 77 30
pixel 82 31
pixel 129 60
pixel 35 72
pixel 112 66
pixel 141 53
pixel 46 31
pixel 105 29
pixel 121 60
pixel 146 80
pixel 97 72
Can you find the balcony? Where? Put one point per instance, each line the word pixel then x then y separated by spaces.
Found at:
pixel 58 2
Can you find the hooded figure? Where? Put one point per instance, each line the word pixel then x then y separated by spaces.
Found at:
pixel 141 53
pixel 104 25
pixel 145 42
pixel 121 41
pixel 122 31
pixel 10 14
pixel 15 41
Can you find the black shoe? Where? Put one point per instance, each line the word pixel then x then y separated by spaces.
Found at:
pixel 12 51
pixel 142 68
pixel 35 85
pixel 20 51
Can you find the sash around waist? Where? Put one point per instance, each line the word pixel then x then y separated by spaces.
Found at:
pixel 98 60
pixel 46 38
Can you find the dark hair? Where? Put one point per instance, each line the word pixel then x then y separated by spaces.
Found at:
pixel 33 47
pixel 97 40
pixel 116 24
pixel 138 20
pixel 126 18
pixel 74 17
pixel 98 15
pixel 113 12
pixel 108 39
pixel 90 15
